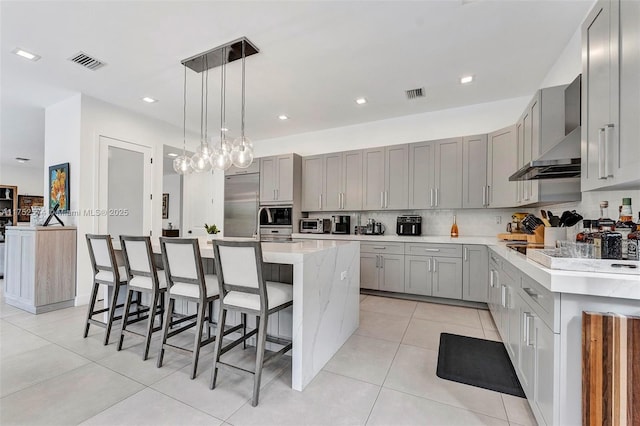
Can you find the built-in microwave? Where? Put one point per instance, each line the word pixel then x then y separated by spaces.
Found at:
pixel 276 216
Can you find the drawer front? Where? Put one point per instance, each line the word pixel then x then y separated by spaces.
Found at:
pixel 495 259
pixel 540 299
pixel 382 248
pixel 511 270
pixel 434 250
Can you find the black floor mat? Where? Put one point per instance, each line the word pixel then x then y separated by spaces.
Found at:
pixel 477 362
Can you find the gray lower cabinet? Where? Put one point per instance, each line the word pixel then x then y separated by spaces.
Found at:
pixel 545 366
pixel 475 273
pixel 382 266
pixel 369 271
pixel 418 278
pixel 447 277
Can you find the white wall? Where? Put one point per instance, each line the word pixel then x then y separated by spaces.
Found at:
pixel 27 178
pixel 467 120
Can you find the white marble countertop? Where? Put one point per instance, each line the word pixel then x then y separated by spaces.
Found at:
pixel 625 286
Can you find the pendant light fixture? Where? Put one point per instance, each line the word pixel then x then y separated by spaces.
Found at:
pixel 182 163
pixel 226 153
pixel 242 149
pixel 201 160
pixel 221 159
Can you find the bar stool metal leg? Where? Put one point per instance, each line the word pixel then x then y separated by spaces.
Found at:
pixel 196 345
pixel 262 337
pixel 167 324
pixel 125 318
pixel 92 305
pixel 112 312
pixel 222 317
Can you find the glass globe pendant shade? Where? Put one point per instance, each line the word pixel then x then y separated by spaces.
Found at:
pixel 221 158
pixel 200 163
pixel 182 165
pixel 242 152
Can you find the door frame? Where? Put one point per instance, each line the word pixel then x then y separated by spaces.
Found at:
pixel 104 143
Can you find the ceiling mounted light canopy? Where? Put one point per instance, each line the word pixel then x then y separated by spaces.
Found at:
pixel 222 156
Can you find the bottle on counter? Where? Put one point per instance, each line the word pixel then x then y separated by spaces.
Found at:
pixel 586 234
pixel 604 220
pixel 626 212
pixel 607 244
pixel 454 228
pixel 633 241
pixel 624 225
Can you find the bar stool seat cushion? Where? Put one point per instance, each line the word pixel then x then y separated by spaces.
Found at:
pixel 108 275
pixel 277 294
pixel 147 283
pixel 192 290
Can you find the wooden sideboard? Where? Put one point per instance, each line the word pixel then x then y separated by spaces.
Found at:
pixel 40 269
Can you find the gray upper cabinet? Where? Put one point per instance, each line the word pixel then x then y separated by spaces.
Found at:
pixel 332 182
pixel 385 178
pixel 502 163
pixel 474 171
pixel 352 180
pixel 421 175
pixel 312 182
pixel 610 100
pixel 280 178
pixel 448 177
pixel 435 174
pixel 475 273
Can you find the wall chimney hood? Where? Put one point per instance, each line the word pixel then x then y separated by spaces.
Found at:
pixel 563 159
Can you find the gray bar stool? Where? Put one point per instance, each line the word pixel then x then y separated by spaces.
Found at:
pixel 105 272
pixel 243 289
pixel 143 278
pixel 187 281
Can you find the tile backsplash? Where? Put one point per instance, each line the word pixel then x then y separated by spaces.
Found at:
pixel 483 222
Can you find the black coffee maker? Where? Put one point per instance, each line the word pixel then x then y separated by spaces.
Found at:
pixel 341 224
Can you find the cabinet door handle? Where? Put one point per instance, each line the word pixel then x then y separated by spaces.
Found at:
pixel 381 199
pixel 531 293
pixel 528 333
pixel 466 254
pixel 525 327
pixel 484 196
pixel 379 248
pixel 608 136
pixel 488 195
pixel 377 261
pixel 428 264
pixel 490 277
pixel 602 154
pixel 386 199
pixel 437 197
pixel 381 262
pixel 435 266
pixel 431 197
pixel 436 250
pixel 503 300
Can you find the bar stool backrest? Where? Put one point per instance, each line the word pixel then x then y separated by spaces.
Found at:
pixel 138 257
pixel 183 262
pixel 239 268
pixel 102 255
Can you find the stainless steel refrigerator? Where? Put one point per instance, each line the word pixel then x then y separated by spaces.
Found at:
pixel 241 199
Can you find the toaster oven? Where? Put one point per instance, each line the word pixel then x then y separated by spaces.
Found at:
pixel 315 226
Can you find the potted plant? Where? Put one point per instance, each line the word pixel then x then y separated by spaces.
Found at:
pixel 211 230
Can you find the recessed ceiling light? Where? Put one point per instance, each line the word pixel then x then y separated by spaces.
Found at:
pixel 224 129
pixel 466 79
pixel 149 100
pixel 172 154
pixel 283 117
pixel 361 101
pixel 27 55
pixel 21 159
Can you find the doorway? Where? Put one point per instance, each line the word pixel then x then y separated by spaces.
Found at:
pixel 125 205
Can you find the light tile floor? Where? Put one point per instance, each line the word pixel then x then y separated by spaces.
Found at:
pixel 383 375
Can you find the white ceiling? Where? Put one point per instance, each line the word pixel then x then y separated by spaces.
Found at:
pixel 316 58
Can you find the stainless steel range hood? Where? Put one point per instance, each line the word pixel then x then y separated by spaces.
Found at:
pixel 563 159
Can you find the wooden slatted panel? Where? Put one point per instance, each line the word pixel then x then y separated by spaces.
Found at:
pixel 610 369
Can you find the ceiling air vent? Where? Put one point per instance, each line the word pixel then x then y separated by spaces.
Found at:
pixel 87 61
pixel 415 93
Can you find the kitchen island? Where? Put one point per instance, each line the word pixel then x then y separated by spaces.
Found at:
pixel 326 299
